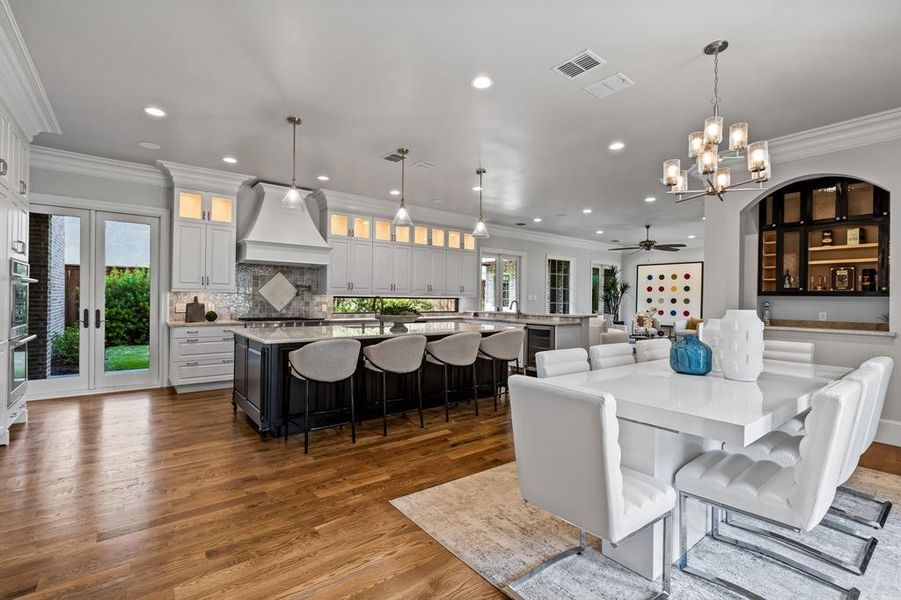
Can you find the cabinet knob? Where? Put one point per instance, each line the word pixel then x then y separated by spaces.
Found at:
pixel 838 218
pixel 884 289
pixel 802 222
pixel 884 213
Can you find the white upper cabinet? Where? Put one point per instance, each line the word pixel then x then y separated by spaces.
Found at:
pixel 437 270
pixel 469 274
pixel 188 249
pixel 401 269
pixel 350 270
pixel 7 163
pixel 461 273
pixel 191 205
pixel 382 272
pixel 348 225
pixel 453 270
pixel 339 268
pixel 219 257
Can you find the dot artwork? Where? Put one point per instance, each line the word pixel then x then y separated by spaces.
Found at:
pixel 673 290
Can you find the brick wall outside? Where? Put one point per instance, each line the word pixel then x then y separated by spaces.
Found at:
pixel 38 256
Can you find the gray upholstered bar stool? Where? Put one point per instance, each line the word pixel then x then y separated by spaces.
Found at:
pixel 457 350
pixel 502 347
pixel 327 361
pixel 400 356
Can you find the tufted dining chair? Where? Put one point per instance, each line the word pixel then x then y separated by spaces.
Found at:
pixel 801 352
pixel 652 349
pixel 551 363
pixel 605 356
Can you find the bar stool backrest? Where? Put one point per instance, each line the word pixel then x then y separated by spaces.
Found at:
pixel 459 349
pixel 505 345
pixel 326 361
pixel 402 354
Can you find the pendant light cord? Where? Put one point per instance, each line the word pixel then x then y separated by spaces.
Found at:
pixel 716 84
pixel 294 156
pixel 481 217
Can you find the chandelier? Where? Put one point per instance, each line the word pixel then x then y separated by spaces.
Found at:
pixel 704 148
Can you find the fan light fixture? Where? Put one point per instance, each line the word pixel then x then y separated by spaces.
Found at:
pixel 480 230
pixel 292 199
pixel 402 216
pixel 704 149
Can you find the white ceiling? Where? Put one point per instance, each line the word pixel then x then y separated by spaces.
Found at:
pixel 367 77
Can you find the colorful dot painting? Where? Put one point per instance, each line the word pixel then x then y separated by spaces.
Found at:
pixel 677 292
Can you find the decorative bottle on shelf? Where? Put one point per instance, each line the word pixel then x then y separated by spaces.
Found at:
pixel 787 280
pixel 741 348
pixel 691 356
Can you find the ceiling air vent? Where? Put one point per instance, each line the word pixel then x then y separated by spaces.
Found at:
pixel 425 164
pixel 609 86
pixel 580 63
pixel 393 157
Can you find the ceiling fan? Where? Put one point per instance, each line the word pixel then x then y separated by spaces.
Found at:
pixel 648 244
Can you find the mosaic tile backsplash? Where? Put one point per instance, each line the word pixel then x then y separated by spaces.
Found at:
pixel 310 302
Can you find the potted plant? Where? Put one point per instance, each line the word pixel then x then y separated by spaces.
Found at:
pixel 397 312
pixel 614 290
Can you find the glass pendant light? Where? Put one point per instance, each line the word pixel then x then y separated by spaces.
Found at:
pixel 402 216
pixel 293 199
pixel 480 230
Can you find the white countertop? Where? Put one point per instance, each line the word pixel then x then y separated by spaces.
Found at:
pixel 289 335
pixel 218 323
pixel 711 406
pixel 824 330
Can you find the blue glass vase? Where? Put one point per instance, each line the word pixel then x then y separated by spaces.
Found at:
pixel 690 356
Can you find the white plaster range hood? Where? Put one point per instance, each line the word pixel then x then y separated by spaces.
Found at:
pixel 276 235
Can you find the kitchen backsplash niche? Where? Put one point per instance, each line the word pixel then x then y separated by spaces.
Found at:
pixel 310 301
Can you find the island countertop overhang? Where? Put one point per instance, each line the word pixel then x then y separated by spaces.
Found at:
pixel 299 335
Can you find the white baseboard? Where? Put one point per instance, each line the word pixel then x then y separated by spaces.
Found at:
pixel 889 432
pixel 56 395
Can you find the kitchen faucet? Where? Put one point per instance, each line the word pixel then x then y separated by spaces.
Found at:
pixel 517 307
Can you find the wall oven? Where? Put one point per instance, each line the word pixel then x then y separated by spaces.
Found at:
pixel 19 282
pixel 18 370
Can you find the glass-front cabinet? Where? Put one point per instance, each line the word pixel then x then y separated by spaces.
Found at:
pixel 824 237
pixel 204 206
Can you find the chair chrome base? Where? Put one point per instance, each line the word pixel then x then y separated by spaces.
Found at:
pixel 548 562
pixel 849 593
pixel 878 522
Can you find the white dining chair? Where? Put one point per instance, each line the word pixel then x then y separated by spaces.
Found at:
pixel 795 498
pixel 605 356
pixel 801 352
pixel 554 426
pixel 652 349
pixel 551 363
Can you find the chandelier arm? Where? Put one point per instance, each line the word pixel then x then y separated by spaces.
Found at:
pixel 692 197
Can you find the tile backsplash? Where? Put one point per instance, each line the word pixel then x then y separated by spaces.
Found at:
pixel 310 302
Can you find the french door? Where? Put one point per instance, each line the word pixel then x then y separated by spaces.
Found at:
pixel 97 318
pixel 499 274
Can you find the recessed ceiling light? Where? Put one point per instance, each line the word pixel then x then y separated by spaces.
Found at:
pixel 599 231
pixel 437 200
pixel 537 220
pixel 477 188
pixel 322 177
pixel 149 145
pixel 586 211
pixel 230 160
pixel 617 146
pixel 394 192
pixel 691 237
pixel 650 199
pixel 482 82
pixel 155 111
pixel 704 218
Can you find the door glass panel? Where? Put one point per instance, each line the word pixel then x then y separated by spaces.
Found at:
pixel 338 225
pixel 488 276
pixel 190 206
pixel 127 296
pixel 825 202
pixel 420 235
pixel 469 242
pixel 791 260
pixel 509 282
pixel 860 199
pixel 221 209
pixel 402 234
pixel 791 207
pixel 453 239
pixel 361 228
pixel 382 230
pixel 53 302
pixel 437 237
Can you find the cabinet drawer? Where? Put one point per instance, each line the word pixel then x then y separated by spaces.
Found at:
pixel 200 332
pixel 202 371
pixel 200 347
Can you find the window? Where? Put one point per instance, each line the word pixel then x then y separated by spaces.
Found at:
pixel 601 276
pixel 559 276
pixel 499 276
pixel 356 305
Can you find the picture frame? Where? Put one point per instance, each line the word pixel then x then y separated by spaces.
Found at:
pixel 654 288
pixel 844 278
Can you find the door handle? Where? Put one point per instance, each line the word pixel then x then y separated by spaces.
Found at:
pixel 3 167
pixel 23 187
pixel 97 319
pixel 86 318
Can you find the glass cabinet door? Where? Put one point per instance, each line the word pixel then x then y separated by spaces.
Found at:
pixel 421 235
pixel 861 200
pixel 469 242
pixel 338 225
pixel 792 208
pixel 402 234
pixel 453 239
pixel 767 213
pixel 437 237
pixel 361 227
pixel 824 203
pixel 789 273
pixel 382 230
pixel 190 206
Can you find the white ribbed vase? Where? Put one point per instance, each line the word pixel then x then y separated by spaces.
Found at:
pixel 741 345
pixel 711 333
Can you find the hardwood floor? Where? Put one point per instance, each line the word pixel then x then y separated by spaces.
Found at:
pixel 153 495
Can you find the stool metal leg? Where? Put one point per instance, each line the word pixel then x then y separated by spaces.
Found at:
pixel 494 381
pixel 419 394
pixel 306 419
pixel 384 404
pixel 286 407
pixel 353 419
pixel 475 389
pixel 446 404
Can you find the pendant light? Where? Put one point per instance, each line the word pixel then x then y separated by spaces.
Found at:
pixel 293 199
pixel 402 216
pixel 480 231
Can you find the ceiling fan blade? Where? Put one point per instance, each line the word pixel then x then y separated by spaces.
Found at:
pixel 665 249
pixel 627 248
pixel 671 245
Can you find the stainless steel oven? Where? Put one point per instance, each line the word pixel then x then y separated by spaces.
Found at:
pixel 19 281
pixel 18 370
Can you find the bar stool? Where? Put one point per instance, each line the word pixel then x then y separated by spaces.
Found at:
pixel 326 361
pixel 457 350
pixel 501 347
pixel 400 356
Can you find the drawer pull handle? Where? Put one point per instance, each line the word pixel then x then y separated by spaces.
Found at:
pixel 227 339
pixel 191 340
pixel 192 364
pixel 227 361
pixel 192 331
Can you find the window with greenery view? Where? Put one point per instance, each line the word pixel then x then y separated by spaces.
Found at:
pixel 345 305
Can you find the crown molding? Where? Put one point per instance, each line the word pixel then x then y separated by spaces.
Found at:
pixel 862 131
pixel 63 161
pixel 210 180
pixel 23 91
pixel 379 207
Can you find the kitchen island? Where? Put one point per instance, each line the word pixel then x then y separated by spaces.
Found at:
pixel 262 373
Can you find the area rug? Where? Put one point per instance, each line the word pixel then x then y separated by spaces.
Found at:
pixel 483 521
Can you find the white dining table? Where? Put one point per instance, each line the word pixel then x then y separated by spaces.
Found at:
pixel 667 419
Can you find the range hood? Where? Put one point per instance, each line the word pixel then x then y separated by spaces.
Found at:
pixel 277 235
